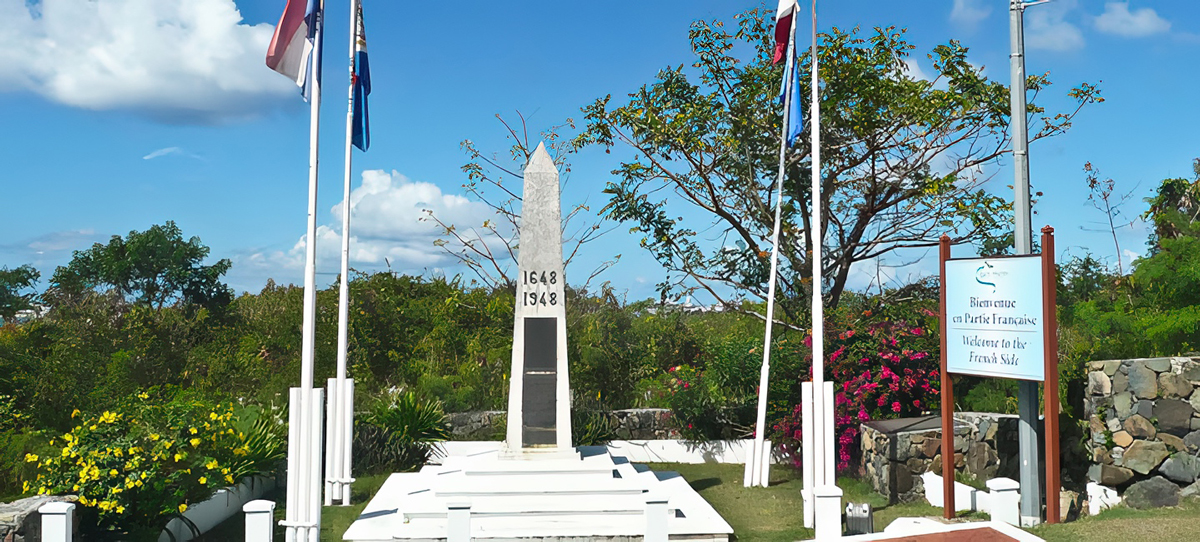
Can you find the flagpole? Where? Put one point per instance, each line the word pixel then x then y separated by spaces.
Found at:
pixel 758 453
pixel 818 306
pixel 341 433
pixel 310 448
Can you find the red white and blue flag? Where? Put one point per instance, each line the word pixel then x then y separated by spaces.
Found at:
pixel 361 78
pixel 783 27
pixel 291 50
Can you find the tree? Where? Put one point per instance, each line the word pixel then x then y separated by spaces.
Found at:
pixel 489 250
pixel 1102 199
pixel 150 268
pixel 12 281
pixel 1174 208
pixel 900 159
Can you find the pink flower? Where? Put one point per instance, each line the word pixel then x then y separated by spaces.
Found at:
pixel 685 385
pixel 896 406
pixel 917 403
pixel 862 415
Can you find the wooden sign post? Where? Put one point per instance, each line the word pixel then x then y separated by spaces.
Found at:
pixel 994 311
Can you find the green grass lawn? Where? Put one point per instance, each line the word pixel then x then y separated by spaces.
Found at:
pixel 775 513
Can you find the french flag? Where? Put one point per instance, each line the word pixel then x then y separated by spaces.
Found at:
pixel 292 45
pixel 361 136
pixel 783 27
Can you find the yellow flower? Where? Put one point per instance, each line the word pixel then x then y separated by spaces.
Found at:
pixel 74 413
pixel 212 464
pixel 25 486
pixel 120 509
pixel 143 395
pixel 178 457
pixel 113 473
pixel 130 483
pixel 182 508
pixel 31 458
pixel 153 436
pixel 83 500
pixel 75 488
pixel 108 417
pixel 212 415
pixel 192 430
pixel 167 444
pixel 203 480
pixel 228 479
pixel 195 442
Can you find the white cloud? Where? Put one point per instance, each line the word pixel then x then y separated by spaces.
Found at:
pixel 913 70
pixel 388 229
pixel 969 13
pixel 173 60
pixel 163 152
pixel 1047 27
pixel 1117 19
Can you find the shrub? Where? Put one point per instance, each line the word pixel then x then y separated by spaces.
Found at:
pixel 590 424
pixel 138 466
pixel 398 433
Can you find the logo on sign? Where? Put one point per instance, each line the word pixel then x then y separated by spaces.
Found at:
pixel 986 272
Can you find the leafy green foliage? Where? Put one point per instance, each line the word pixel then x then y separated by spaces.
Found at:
pixel 590 424
pixel 12 282
pixel 710 136
pixel 398 432
pixel 151 268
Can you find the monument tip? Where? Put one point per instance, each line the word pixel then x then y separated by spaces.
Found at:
pixel 541 160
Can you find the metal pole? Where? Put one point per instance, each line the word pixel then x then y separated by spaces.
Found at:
pixel 757 453
pixel 823 477
pixel 1027 391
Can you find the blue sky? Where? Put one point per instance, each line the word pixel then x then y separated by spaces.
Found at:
pixel 121 114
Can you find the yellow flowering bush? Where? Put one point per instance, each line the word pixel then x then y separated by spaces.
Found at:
pixel 136 467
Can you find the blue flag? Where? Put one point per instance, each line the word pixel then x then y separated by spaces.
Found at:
pixel 795 118
pixel 361 136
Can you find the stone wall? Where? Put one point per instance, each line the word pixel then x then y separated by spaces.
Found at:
pixel 896 452
pixel 21 522
pixel 1144 420
pixel 629 424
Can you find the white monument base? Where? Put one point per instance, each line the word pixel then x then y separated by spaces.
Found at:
pixel 590 495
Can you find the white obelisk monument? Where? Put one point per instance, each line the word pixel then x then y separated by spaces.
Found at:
pixel 539 398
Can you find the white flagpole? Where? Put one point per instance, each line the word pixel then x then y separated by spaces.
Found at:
pixel 341 433
pixel 310 449
pixel 758 455
pixel 818 306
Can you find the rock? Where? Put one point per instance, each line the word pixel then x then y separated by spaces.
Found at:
pixel 1113 424
pixel 1173 442
pixel 1122 438
pixel 1120 383
pixel 1118 455
pixel 1195 423
pixel 1145 408
pixel 901 478
pixel 1181 467
pixel 1123 404
pixel 1143 382
pixel 1109 475
pixel 1095 425
pixel 1192 440
pixel 916 466
pixel 1195 400
pixel 1144 456
pixel 1100 456
pixel 1159 365
pixel 1191 371
pixel 1156 492
pixel 1174 416
pixel 1110 367
pixel 931 447
pixel 1099 383
pixel 1174 385
pixel 1191 491
pixel 982 461
pixel 935 466
pixel 1096 365
pixel 960 461
pixel 1139 427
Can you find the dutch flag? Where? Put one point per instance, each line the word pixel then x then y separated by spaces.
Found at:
pixel 292 45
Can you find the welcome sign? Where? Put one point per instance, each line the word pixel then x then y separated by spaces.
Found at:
pixel 994 311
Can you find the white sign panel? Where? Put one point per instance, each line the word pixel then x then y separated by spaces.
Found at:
pixel 994 317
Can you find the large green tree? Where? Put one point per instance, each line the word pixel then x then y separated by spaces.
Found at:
pixel 152 268
pixel 901 158
pixel 12 283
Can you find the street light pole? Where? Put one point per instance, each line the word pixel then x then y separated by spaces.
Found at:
pixel 1027 390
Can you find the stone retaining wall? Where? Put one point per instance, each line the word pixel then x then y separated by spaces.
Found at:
pixel 896 452
pixel 1144 420
pixel 629 424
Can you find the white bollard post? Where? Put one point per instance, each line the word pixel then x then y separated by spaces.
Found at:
pixel 1004 495
pixel 333 475
pixel 828 511
pixel 58 520
pixel 807 465
pixel 347 398
pixel 260 520
pixel 656 519
pixel 458 522
pixel 764 459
